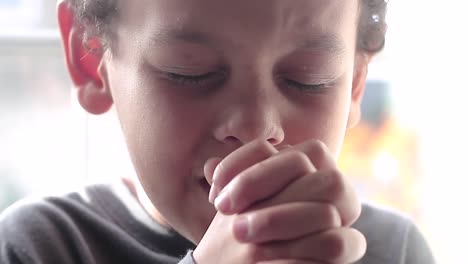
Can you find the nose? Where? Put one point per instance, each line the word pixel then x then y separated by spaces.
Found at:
pixel 250 119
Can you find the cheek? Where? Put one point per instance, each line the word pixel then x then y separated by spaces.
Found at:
pixel 160 133
pixel 323 118
pixel 335 125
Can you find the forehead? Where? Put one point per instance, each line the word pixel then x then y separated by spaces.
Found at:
pixel 256 20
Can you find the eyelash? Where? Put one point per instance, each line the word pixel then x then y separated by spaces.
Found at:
pixel 305 87
pixel 199 80
pixel 190 80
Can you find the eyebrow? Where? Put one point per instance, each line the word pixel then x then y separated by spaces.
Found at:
pixel 330 43
pixel 327 42
pixel 189 36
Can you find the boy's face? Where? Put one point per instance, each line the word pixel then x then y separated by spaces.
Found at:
pixel 277 70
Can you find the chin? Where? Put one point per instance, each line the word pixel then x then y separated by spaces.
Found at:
pixel 203 224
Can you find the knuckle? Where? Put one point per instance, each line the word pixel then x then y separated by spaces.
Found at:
pixel 320 155
pixel 319 147
pixel 301 161
pixel 336 184
pixel 329 214
pixel 355 212
pixel 318 150
pixel 263 224
pixel 334 246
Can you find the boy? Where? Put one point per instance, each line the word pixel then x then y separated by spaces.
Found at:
pixel 233 113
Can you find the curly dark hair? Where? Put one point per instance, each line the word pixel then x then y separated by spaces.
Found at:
pixel 97 15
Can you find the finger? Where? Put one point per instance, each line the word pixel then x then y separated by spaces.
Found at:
pixel 283 147
pixel 263 180
pixel 334 246
pixel 238 161
pixel 317 152
pixel 209 167
pixel 285 222
pixel 327 186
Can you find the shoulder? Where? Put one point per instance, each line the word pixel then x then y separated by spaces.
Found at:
pixel 25 215
pixel 43 212
pixel 392 237
pixel 377 220
pixel 59 211
pixel 36 225
pixel 19 230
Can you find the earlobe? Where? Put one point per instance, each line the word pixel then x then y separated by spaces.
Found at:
pixel 84 63
pixel 94 100
pixel 359 84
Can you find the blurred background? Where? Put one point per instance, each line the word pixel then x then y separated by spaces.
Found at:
pixel 408 153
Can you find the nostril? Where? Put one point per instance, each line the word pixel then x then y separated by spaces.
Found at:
pixel 231 139
pixel 235 140
pixel 273 141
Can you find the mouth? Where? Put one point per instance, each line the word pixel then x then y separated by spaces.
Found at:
pixel 205 185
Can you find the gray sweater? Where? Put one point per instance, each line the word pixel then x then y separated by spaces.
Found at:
pixel 106 224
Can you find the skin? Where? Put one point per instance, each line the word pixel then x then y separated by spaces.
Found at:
pixel 239 122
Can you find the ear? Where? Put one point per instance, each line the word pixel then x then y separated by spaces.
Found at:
pixel 359 84
pixel 85 64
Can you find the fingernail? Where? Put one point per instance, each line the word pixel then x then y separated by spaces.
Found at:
pixel 223 202
pixel 241 229
pixel 214 190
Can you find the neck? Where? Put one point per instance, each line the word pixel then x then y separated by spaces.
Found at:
pixel 139 193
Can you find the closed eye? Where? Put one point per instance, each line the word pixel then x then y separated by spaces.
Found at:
pixel 195 80
pixel 211 78
pixel 305 87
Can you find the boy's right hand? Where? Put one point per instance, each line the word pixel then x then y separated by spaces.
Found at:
pixel 297 207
